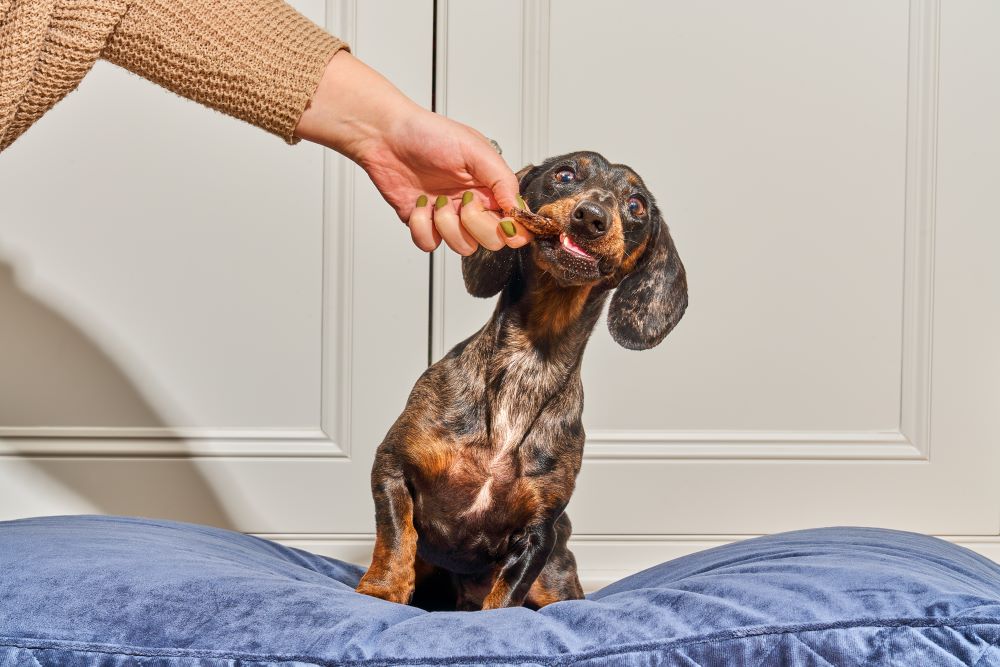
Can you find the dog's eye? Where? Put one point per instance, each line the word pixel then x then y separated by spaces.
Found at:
pixel 565 176
pixel 636 206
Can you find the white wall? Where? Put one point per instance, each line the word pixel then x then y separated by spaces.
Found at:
pixel 198 322
pixel 813 160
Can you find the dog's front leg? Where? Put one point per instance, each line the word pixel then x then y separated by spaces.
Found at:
pixel 515 576
pixel 392 573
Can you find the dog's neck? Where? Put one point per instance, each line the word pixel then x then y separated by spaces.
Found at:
pixel 534 343
pixel 556 320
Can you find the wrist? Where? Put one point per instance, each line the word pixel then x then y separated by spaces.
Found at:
pixel 353 109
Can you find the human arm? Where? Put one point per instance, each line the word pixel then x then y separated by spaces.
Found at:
pixel 414 156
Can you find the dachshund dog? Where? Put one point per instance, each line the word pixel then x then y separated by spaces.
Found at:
pixel 472 480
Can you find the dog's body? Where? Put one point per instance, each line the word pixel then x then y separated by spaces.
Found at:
pixel 471 482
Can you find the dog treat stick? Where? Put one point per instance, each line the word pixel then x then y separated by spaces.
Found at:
pixel 534 223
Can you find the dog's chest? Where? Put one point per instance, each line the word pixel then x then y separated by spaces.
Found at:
pixel 519 385
pixel 475 504
pixel 495 420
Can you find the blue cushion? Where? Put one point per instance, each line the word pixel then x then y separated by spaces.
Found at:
pixel 114 591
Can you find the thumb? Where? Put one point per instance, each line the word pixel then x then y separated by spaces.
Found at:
pixel 487 167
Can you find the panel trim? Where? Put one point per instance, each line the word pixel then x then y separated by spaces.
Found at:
pixel 438 258
pixel 135 443
pixel 332 438
pixel 535 41
pixel 336 389
pixel 911 441
pixel 920 220
pixel 755 445
pixel 602 559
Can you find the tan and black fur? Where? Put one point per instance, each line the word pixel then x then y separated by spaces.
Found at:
pixel 472 480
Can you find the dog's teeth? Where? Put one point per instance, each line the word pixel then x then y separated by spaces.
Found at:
pixel 572 247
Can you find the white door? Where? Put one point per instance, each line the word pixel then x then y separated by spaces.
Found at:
pixel 197 321
pixel 828 171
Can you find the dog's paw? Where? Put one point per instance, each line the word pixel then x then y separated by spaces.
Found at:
pixel 397 594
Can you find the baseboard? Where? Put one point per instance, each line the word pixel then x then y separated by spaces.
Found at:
pixel 602 559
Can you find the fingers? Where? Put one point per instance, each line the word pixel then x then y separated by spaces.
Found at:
pixel 450 227
pixel 513 234
pixel 464 229
pixel 422 230
pixel 479 222
pixel 487 167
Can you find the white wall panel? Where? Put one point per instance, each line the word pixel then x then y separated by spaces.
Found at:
pixel 197 321
pixel 794 150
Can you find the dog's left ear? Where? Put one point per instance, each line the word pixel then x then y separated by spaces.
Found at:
pixel 652 298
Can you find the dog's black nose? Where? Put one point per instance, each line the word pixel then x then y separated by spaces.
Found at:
pixel 590 219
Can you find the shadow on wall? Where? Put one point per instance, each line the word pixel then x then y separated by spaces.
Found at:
pixel 53 375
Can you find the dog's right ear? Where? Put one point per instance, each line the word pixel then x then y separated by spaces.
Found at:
pixel 486 272
pixel 525 176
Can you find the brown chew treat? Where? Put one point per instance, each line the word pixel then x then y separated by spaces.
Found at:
pixel 534 223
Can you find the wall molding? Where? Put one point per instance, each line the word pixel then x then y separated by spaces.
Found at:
pixel 333 436
pixel 602 559
pixel 438 258
pixel 920 220
pixel 535 68
pixel 751 445
pixel 331 440
pixel 169 443
pixel 911 440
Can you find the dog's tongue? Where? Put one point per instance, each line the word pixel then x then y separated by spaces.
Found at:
pixel 534 223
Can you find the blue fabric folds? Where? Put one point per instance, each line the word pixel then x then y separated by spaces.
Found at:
pixel 114 591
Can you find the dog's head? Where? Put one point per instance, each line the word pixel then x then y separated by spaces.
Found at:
pixel 611 235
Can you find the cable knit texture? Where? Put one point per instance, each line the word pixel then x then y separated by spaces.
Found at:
pixel 257 60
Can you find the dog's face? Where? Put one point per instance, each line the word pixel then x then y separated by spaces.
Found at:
pixel 605 213
pixel 611 235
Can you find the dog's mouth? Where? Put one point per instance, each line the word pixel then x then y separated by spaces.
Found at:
pixel 567 260
pixel 570 246
pixel 560 251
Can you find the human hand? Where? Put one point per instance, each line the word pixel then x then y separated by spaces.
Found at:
pixel 442 178
pixel 446 180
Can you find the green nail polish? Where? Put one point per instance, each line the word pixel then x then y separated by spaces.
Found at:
pixel 521 204
pixel 440 201
pixel 508 228
pixel 466 198
pixel 421 201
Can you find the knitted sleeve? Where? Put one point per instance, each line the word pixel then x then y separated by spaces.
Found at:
pixel 46 48
pixel 257 60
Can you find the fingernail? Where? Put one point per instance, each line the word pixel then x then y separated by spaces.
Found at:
pixel 421 201
pixel 520 203
pixel 440 201
pixel 466 198
pixel 507 225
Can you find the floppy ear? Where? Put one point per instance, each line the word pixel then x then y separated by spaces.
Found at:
pixel 651 299
pixel 525 175
pixel 487 272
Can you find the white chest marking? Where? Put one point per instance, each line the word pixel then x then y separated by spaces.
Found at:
pixel 483 498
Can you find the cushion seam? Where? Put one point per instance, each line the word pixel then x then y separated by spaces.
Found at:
pixel 554 660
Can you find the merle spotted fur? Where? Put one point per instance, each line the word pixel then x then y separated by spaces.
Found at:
pixel 472 480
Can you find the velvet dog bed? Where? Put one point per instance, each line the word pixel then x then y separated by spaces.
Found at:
pixel 116 591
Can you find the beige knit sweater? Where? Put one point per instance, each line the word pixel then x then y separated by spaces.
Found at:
pixel 258 60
